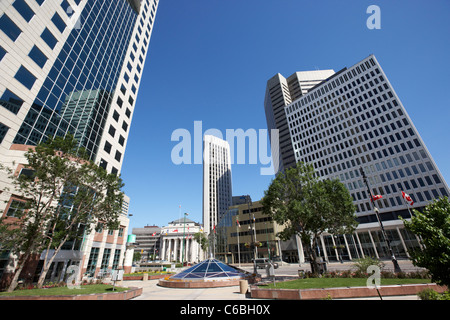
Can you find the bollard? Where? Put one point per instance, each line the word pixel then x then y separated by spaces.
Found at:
pixel 243 286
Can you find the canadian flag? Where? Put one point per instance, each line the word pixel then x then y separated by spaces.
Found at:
pixel 376 197
pixel 153 234
pixel 407 198
pixel 237 221
pixel 214 229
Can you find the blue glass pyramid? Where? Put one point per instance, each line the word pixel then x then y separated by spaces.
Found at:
pixel 209 269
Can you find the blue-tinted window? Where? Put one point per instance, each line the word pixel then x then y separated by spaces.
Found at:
pixel 49 38
pixel 11 102
pixel 65 5
pixel 25 77
pixel 82 80
pixel 38 56
pixel 3 131
pixel 2 53
pixel 59 22
pixel 24 10
pixel 9 27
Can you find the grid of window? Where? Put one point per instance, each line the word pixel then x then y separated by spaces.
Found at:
pixel 38 56
pixel 24 9
pixel 354 120
pixel 92 262
pixel 9 27
pixel 16 208
pixel 11 101
pixel 25 77
pixel 3 131
pixel 218 175
pixel 77 94
pixel 116 259
pixel 105 258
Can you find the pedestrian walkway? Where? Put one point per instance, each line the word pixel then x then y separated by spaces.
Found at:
pixel 151 291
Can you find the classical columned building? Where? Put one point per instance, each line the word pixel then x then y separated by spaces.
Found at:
pixel 177 241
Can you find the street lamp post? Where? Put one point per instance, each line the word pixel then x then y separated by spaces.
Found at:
pixel 375 209
pixel 182 248
pixel 255 252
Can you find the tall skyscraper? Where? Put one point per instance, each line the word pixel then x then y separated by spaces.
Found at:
pixel 73 66
pixel 279 93
pixel 217 195
pixel 352 120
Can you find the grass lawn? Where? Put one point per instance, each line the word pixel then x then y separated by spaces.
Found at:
pixel 310 283
pixel 86 289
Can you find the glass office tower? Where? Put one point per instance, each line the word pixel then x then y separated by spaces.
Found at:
pixel 71 66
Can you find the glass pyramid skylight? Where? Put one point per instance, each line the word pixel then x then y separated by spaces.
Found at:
pixel 210 269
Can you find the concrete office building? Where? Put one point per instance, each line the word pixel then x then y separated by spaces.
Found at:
pixel 217 196
pixel 352 120
pixel 148 242
pixel 280 92
pixel 72 66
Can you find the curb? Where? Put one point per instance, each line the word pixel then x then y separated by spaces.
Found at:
pixel 124 295
pixel 339 293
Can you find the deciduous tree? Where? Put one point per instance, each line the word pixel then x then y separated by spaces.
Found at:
pixel 433 227
pixel 308 207
pixel 64 196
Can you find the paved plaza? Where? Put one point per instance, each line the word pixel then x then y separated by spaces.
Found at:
pixel 151 290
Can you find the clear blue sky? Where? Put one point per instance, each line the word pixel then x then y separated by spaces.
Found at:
pixel 209 61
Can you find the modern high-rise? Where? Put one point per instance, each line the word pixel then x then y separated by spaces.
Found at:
pixel 73 66
pixel 217 195
pixel 353 120
pixel 280 92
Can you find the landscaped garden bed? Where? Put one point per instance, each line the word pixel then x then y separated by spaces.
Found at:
pixel 310 283
pixel 64 290
pixel 346 284
pixel 150 275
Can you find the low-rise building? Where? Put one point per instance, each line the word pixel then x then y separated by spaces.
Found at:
pixel 147 242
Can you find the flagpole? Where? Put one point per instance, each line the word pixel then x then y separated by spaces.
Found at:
pixel 238 243
pixel 406 204
pixel 394 260
pixel 182 243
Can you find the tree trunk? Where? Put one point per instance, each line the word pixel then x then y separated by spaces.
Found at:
pixel 313 257
pixel 47 265
pixel 21 264
pixel 43 275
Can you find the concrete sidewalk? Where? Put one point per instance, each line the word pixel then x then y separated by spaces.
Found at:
pixel 151 291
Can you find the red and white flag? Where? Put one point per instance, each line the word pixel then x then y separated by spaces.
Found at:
pixel 153 234
pixel 237 221
pixel 407 198
pixel 214 229
pixel 376 197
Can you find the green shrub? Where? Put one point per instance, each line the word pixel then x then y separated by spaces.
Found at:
pixel 361 265
pixel 430 294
